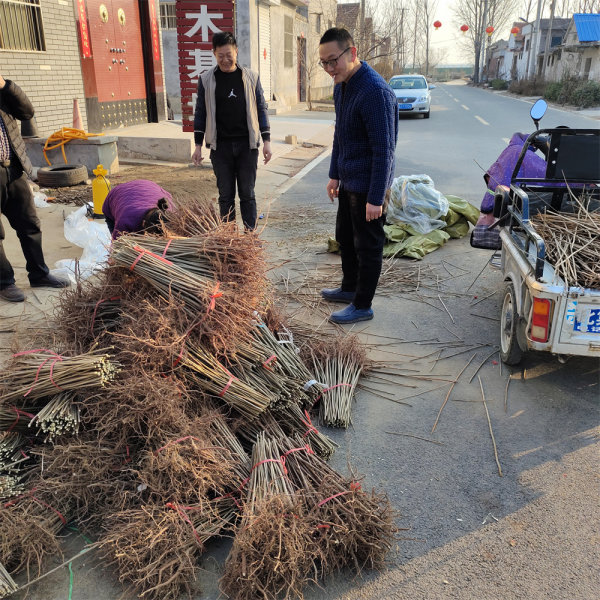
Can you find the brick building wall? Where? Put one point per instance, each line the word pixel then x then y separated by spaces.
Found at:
pixel 51 79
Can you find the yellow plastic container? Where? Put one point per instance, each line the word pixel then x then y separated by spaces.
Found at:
pixel 100 189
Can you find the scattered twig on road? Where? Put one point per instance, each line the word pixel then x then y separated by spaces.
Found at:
pixel 487 517
pixel 483 363
pixel 482 299
pixel 506 393
pixel 478 275
pixel 417 437
pixel 484 317
pixel 446 309
pixel 449 392
pixel 487 414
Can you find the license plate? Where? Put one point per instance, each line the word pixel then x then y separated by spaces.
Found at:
pixel 587 320
pixel 404 106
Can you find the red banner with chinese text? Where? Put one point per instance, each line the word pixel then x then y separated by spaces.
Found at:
pixel 84 34
pixel 197 21
pixel 154 31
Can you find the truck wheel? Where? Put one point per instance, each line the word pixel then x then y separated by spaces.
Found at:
pixel 510 351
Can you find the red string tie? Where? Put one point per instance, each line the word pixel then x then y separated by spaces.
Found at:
pixel 284 456
pixel 144 251
pixel 216 294
pixel 56 357
pixel 271 358
pixel 309 424
pixel 166 248
pixel 332 497
pixel 232 378
pixel 181 512
pixel 267 460
pixel 337 385
pixel 41 502
pixel 16 421
pixel 96 310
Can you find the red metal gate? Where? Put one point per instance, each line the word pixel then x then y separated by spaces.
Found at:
pixel 118 62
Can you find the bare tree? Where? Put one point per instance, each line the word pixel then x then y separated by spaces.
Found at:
pixel 566 8
pixel 528 9
pixel 472 13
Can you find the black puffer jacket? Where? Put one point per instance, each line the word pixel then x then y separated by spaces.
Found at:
pixel 14 104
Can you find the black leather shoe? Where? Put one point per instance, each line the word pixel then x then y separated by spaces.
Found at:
pixel 51 281
pixel 12 293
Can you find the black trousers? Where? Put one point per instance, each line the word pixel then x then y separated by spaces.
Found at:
pixel 16 204
pixel 235 163
pixel 361 245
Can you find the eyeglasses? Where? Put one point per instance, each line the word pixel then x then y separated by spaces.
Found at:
pixel 333 62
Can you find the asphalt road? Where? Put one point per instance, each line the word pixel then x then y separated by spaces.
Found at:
pixel 467 130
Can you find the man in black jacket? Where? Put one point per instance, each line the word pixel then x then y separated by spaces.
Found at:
pixel 16 198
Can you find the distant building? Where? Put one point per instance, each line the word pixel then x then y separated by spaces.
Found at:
pixel 498 61
pixel 579 53
pixel 277 38
pixel 528 48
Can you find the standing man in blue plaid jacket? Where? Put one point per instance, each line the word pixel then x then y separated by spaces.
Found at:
pixel 361 171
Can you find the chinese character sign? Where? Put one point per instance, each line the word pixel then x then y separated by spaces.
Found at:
pixel 84 34
pixel 197 21
pixel 154 31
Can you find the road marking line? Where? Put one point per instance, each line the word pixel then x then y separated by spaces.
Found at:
pixel 506 140
pixel 481 120
pixel 465 107
pixel 456 100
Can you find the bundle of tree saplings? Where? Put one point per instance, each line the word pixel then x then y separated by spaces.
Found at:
pixel 572 241
pixel 34 374
pixel 147 443
pixel 7 583
pixel 301 521
pixel 338 365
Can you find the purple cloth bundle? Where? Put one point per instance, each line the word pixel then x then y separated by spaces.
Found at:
pixel 501 171
pixel 127 203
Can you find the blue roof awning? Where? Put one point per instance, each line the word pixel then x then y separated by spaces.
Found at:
pixel 588 26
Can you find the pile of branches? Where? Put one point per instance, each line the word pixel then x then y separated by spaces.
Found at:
pixel 165 411
pixel 572 241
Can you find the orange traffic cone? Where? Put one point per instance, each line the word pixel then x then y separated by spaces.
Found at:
pixel 77 120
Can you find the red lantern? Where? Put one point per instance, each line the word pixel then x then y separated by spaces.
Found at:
pixel 464 28
pixel 515 30
pixel 489 30
pixel 437 24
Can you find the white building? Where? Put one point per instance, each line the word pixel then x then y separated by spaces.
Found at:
pixel 277 38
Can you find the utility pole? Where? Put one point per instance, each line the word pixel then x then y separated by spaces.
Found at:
pixel 400 53
pixel 482 42
pixel 415 38
pixel 363 41
pixel 535 40
pixel 548 39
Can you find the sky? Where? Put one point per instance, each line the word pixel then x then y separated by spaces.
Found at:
pixel 449 36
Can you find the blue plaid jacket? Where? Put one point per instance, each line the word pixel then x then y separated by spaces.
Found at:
pixel 366 131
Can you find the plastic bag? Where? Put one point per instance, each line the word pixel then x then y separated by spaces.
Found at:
pixel 415 201
pixel 39 199
pixel 93 237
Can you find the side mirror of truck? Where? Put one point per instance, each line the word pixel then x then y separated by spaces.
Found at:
pixel 538 110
